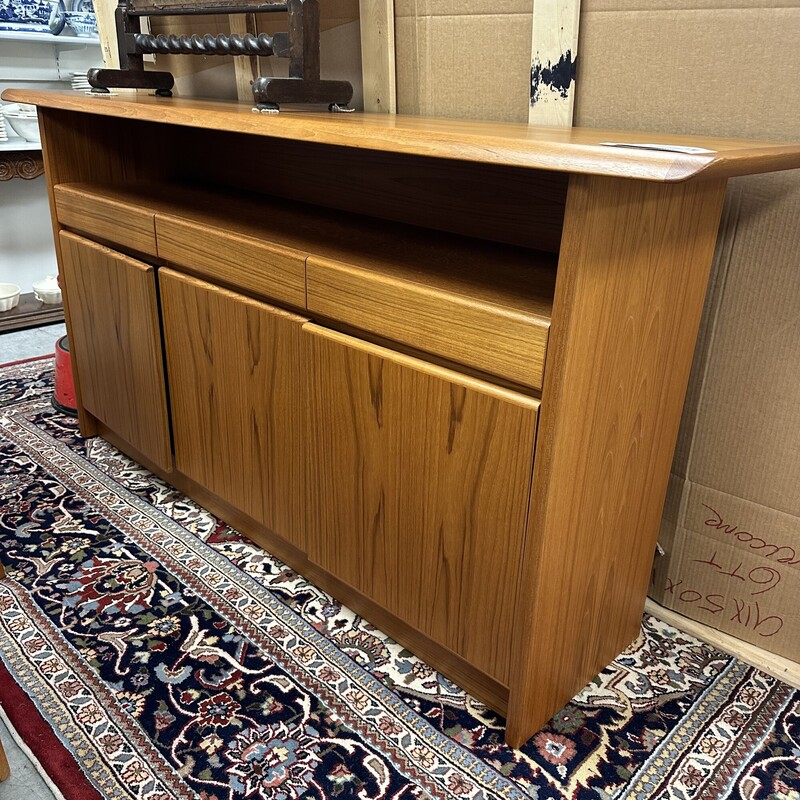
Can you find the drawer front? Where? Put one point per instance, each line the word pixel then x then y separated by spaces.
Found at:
pixel 418 486
pixel 103 218
pixel 269 270
pixel 487 337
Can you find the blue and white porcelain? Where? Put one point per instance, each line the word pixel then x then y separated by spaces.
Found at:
pixel 48 16
pixel 25 16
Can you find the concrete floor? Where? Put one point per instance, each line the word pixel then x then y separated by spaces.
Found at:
pixel 25 783
pixel 18 345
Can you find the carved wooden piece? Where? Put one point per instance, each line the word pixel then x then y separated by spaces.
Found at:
pixel 25 165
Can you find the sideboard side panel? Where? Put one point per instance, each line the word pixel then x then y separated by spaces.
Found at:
pixel 84 148
pixel 632 278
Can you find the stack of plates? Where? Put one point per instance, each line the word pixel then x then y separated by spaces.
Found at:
pixel 79 82
pixel 3 134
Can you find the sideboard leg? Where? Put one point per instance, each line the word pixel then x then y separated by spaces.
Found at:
pixel 632 278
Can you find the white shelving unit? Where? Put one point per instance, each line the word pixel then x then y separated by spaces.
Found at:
pixel 70 42
pixel 46 61
pixel 17 145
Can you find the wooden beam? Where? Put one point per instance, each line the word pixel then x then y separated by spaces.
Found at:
pixel 554 52
pixel 378 55
pixel 782 668
pixel 247 68
pixel 107 32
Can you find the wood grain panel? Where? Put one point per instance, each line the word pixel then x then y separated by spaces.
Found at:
pixel 76 148
pixel 444 318
pixel 378 70
pixel 116 342
pixel 631 283
pixel 90 213
pixel 519 207
pixel 418 487
pixel 268 269
pixel 235 387
pixel 569 150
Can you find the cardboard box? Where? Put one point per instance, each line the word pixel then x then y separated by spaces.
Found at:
pixel 731 530
pixel 455 60
pixel 731 526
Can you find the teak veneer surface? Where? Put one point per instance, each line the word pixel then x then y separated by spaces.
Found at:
pixel 115 330
pixel 482 304
pixel 572 150
pixel 462 325
pixel 125 224
pixel 418 490
pixel 226 352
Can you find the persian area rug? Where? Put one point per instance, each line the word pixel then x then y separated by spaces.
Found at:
pixel 170 658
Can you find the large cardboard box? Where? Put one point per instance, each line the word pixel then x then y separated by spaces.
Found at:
pixel 464 58
pixel 731 528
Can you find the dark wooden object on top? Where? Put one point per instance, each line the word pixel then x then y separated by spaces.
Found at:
pixel 300 45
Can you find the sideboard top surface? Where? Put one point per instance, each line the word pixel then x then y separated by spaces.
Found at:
pixel 580 150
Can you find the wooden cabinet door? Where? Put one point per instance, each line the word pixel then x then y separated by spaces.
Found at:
pixel 234 377
pixel 116 343
pixel 418 488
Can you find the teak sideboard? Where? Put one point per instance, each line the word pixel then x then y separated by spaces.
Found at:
pixel 436 366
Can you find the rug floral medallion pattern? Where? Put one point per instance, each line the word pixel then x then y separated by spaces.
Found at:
pixel 175 659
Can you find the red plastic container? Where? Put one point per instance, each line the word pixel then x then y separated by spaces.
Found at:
pixel 64 395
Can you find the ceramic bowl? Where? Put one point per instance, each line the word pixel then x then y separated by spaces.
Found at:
pixel 23 120
pixel 47 291
pixel 9 296
pixel 84 23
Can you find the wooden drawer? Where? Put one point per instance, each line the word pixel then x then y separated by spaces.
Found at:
pixel 264 268
pixel 472 329
pixel 106 218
